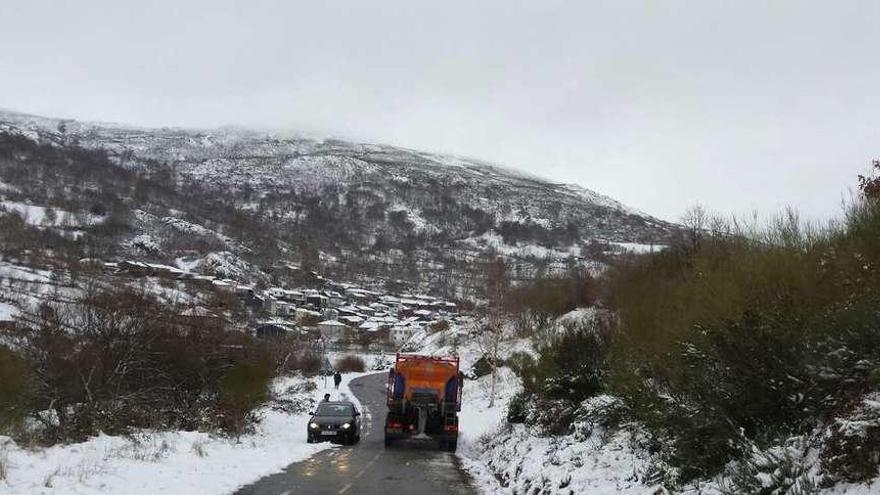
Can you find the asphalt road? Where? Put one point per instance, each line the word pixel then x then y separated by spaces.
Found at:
pixel 368 467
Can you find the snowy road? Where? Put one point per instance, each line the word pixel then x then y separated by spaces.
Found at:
pixel 369 467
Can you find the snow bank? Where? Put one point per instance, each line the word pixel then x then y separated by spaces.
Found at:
pixel 172 462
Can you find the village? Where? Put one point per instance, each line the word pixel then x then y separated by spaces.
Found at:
pixel 309 307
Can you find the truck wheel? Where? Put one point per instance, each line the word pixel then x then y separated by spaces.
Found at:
pixel 387 442
pixel 451 445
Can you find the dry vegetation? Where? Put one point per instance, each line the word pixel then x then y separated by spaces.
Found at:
pixel 117 360
pixel 351 363
pixel 734 339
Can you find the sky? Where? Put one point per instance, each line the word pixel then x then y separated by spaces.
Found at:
pixel 738 106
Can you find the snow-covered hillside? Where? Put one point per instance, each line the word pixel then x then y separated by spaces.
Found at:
pixel 396 211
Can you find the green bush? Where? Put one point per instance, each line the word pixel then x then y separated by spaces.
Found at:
pixel 517 408
pixel 568 371
pixel 852 450
pixel 14 389
pixel 242 389
pixel 776 471
pixel 742 336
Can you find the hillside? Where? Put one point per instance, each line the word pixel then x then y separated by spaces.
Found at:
pixel 355 210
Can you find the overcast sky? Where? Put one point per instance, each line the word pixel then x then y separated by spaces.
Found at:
pixel 735 105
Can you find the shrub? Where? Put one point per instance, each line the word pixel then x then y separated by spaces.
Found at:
pixel 243 388
pixel 570 370
pixel 852 450
pixel 517 408
pixel 351 363
pixel 114 361
pixel 739 335
pixel 482 367
pixel 308 363
pixel 14 389
pixel 774 471
pixel 545 298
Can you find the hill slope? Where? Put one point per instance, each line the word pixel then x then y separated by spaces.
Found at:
pixel 360 208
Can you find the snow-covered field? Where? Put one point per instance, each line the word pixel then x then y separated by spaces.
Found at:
pixel 509 459
pixel 40 216
pixel 170 462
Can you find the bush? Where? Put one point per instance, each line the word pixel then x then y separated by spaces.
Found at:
pixel 774 471
pixel 115 361
pixel 570 370
pixel 14 389
pixel 545 298
pixel 517 408
pixel 482 367
pixel 244 387
pixel 739 336
pixel 308 363
pixel 351 363
pixel 852 450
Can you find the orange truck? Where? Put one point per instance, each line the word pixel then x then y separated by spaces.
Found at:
pixel 424 399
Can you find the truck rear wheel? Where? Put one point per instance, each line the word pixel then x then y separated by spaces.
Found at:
pixel 387 442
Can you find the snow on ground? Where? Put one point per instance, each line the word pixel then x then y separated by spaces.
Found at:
pixel 636 248
pixel 37 215
pixel 478 419
pixel 509 459
pixel 187 264
pixel 527 463
pixel 495 241
pixel 170 462
pixel 7 311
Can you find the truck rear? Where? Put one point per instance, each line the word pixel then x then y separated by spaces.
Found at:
pixel 424 399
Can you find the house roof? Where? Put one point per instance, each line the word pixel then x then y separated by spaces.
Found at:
pixel 331 323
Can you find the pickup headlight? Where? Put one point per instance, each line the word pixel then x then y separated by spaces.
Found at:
pixel 314 426
pixel 346 426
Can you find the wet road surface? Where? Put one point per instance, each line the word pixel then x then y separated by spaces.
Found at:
pixel 368 467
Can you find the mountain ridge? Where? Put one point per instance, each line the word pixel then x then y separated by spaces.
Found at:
pixel 357 207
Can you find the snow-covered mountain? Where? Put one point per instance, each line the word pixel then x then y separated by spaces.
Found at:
pixel 369 205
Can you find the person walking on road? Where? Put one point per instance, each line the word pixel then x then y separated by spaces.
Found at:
pixel 337 379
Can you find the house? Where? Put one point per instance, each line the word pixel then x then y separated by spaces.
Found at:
pixel 331 314
pixel 366 310
pixel 317 301
pixel 423 314
pixel 334 299
pixel 270 330
pixel 352 321
pixel 283 308
pixel 332 330
pixel 400 335
pixel 200 314
pixel 307 317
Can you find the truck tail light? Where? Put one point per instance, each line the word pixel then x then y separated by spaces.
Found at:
pixel 451 428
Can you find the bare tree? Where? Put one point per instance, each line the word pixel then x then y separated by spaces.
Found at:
pixel 491 337
pixel 493 344
pixel 695 221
